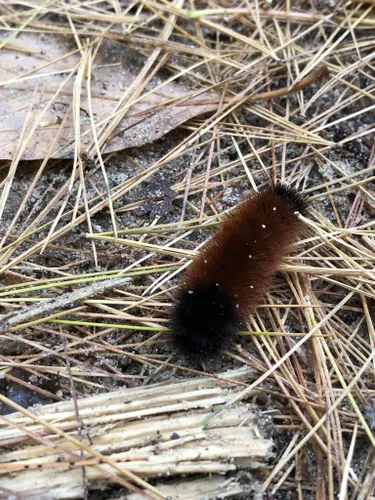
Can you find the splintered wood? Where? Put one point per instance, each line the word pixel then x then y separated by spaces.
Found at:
pixel 156 431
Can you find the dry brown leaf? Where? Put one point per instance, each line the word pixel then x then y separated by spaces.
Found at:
pixel 33 67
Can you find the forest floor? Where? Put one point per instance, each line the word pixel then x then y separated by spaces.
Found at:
pixel 127 129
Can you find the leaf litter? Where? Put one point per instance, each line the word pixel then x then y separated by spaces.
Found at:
pixel 291 89
pixel 32 70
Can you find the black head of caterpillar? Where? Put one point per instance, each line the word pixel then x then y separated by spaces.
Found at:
pixel 296 202
pixel 204 322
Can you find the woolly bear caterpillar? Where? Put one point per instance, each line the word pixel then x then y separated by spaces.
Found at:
pixel 226 281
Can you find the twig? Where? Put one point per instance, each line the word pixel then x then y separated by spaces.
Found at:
pixel 70 299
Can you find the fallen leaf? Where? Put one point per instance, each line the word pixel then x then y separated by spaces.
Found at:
pixel 33 68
